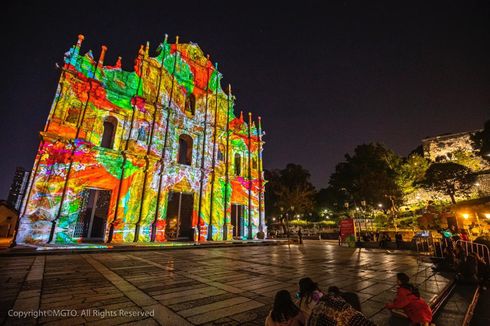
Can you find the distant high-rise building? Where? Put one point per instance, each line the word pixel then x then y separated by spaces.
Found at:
pixel 18 187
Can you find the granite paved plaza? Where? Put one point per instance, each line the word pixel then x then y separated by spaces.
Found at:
pixel 218 286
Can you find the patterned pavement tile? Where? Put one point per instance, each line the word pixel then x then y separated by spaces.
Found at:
pixel 212 286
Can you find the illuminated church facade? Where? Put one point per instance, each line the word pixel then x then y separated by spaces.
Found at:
pixel 151 155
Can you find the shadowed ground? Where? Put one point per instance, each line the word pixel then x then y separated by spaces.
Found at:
pixel 211 286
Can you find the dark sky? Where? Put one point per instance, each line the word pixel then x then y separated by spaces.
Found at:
pixel 324 78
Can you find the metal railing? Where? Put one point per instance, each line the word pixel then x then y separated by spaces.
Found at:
pixel 471 247
pixel 429 247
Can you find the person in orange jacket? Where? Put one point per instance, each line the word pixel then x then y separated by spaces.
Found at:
pixel 408 298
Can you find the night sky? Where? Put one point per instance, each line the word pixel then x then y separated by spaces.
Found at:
pixel 324 78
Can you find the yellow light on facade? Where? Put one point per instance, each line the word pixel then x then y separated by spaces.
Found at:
pixel 465 215
pixel 487 215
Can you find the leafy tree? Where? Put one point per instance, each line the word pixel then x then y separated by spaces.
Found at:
pixel 411 173
pixel 291 190
pixel 369 175
pixel 468 159
pixel 449 178
pixel 482 141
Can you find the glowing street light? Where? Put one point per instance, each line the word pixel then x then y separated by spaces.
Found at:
pixel 465 216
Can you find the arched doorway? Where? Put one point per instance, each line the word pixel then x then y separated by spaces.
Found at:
pixel 92 218
pixel 109 133
pixel 179 216
pixel 237 220
pixel 185 150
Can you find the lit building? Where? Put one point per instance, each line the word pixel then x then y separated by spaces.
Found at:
pixel 18 187
pixel 154 154
pixel 443 147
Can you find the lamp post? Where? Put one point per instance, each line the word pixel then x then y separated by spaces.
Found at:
pixel 281 218
pixel 287 218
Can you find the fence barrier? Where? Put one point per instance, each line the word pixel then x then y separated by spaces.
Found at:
pixel 478 248
pixel 429 247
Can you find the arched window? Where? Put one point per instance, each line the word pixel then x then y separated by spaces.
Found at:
pixel 73 112
pixel 221 153
pixel 185 150
pixel 110 125
pixel 143 132
pixel 238 164
pixel 190 104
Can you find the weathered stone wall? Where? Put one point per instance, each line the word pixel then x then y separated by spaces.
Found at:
pixel 442 147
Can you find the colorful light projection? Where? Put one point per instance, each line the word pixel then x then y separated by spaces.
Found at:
pixel 149 155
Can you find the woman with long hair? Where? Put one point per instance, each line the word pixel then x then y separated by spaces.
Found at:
pixel 284 312
pixel 408 298
pixel 308 296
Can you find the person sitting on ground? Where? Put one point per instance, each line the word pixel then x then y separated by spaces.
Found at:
pixel 469 270
pixel 308 295
pixel 459 258
pixel 334 310
pixel 483 272
pixel 408 298
pixel 349 297
pixel 284 312
pixel 448 260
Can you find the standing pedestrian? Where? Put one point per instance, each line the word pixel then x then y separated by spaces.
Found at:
pixel 398 240
pixel 300 236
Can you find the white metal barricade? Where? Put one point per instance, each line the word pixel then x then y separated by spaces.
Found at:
pixel 478 248
pixel 429 246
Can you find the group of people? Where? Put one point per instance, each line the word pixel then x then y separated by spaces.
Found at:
pixel 314 307
pixel 383 238
pixel 469 267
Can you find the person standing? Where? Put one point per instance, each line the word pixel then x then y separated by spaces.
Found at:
pixel 398 240
pixel 300 236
